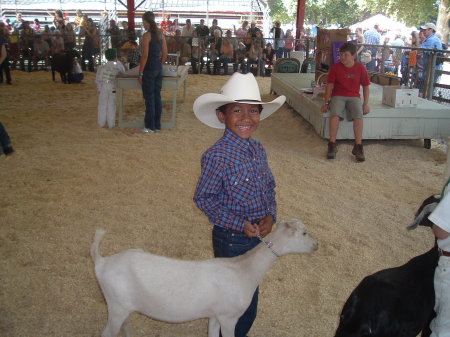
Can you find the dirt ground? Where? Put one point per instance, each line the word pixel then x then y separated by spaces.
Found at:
pixel 68 177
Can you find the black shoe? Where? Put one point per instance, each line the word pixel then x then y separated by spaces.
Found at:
pixel 332 150
pixel 358 152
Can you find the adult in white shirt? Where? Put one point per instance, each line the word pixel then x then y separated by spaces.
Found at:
pixel 187 30
pixel 440 326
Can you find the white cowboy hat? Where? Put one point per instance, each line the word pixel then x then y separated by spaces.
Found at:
pixel 239 88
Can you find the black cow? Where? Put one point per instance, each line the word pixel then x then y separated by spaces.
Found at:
pixel 63 63
pixel 395 302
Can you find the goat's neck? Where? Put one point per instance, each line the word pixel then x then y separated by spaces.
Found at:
pixel 258 261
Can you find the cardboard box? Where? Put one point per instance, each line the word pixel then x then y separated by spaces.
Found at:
pixel 383 79
pixel 400 96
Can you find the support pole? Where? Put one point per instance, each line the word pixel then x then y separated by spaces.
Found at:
pixel 130 14
pixel 301 5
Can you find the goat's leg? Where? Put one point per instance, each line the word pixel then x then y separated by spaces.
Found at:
pixel 227 326
pixel 117 320
pixel 213 327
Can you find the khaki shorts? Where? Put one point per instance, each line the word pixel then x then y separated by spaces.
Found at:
pixel 343 106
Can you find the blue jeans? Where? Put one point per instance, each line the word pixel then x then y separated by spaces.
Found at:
pixel 151 89
pixel 229 243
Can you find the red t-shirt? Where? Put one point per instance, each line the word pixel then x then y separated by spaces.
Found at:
pixel 347 80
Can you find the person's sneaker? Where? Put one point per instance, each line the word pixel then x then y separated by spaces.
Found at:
pixel 157 130
pixel 332 150
pixel 145 130
pixel 358 152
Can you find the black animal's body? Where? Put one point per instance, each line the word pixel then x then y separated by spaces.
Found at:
pixel 63 64
pixel 395 302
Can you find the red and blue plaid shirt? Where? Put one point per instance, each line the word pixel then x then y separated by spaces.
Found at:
pixel 236 184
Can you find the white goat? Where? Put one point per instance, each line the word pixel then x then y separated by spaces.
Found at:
pixel 178 291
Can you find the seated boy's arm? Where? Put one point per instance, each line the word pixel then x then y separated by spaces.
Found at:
pixel 327 97
pixel 366 107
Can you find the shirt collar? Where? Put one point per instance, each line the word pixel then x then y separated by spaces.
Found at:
pixel 233 138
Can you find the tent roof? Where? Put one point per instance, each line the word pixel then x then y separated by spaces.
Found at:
pixel 385 23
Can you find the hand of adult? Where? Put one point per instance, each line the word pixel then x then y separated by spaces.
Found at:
pixel 265 225
pixel 250 230
pixel 325 107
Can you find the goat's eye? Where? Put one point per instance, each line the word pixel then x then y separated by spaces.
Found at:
pixel 304 233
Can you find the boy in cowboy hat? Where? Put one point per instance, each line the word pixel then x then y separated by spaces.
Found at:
pixel 236 189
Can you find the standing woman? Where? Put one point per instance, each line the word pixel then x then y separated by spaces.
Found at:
pixel 154 54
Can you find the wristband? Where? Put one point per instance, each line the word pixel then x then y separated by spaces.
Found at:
pixel 141 75
pixel 327 103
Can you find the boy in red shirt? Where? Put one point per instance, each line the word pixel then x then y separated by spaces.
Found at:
pixel 342 96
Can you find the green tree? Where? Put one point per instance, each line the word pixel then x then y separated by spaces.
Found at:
pixel 279 12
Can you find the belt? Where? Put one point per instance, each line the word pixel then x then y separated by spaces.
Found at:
pixel 443 253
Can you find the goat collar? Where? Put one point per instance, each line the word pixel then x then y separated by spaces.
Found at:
pixel 268 244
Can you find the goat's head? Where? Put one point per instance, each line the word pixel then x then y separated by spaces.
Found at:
pixel 296 238
pixel 427 207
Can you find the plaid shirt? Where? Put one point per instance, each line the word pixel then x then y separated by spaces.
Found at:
pixel 236 184
pixel 372 37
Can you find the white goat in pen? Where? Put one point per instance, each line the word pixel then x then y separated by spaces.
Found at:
pixel 178 291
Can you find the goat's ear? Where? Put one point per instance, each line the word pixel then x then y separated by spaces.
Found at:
pixel 424 211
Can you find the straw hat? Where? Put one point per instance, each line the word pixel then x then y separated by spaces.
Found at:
pixel 240 88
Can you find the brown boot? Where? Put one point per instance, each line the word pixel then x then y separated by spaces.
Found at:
pixel 358 152
pixel 332 150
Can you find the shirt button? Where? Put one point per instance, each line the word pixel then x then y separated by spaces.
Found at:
pixel 230 244
pixel 246 179
pixel 232 235
pixel 235 182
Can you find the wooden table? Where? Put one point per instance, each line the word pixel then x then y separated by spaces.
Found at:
pixel 129 81
pixel 429 120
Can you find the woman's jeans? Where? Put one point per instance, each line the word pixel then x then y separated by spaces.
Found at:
pixel 151 89
pixel 229 243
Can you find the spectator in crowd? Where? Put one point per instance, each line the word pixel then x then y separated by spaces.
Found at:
pixel 248 41
pixel 372 36
pixel 36 26
pixel 78 22
pixel 342 98
pixel 197 53
pixel 185 51
pixel 240 56
pixel 397 52
pixel 174 43
pixel 254 59
pixel 214 27
pixel 91 43
pixel 253 29
pixel 431 41
pixel 26 45
pixel 41 51
pixel 233 41
pixel 18 23
pixel 174 27
pixel 57 43
pixel 202 30
pixel 278 36
pixel 269 57
pixel 69 37
pixel 58 19
pixel 8 25
pixel 4 56
pixel 123 32
pixel 114 32
pixel 226 54
pixel 187 30
pixel 47 35
pixel 166 24
pixel 215 47
pixel 14 49
pixel 130 51
pixel 288 43
pixel 359 40
pixel 241 32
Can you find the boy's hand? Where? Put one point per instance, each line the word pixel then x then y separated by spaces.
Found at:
pixel 250 230
pixel 325 107
pixel 366 109
pixel 265 225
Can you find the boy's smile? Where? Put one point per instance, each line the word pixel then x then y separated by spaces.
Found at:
pixel 240 118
